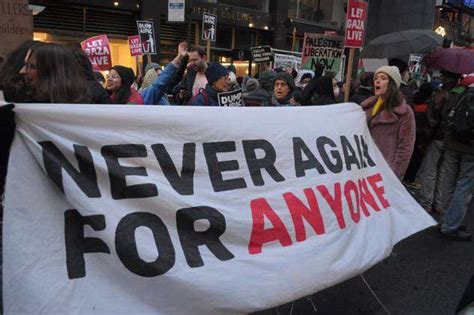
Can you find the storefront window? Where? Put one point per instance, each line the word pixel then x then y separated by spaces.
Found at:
pixel 119 48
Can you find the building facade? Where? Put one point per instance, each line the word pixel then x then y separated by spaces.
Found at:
pixel 454 20
pixel 241 24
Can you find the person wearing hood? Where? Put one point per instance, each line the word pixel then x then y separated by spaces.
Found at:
pixel 217 81
pixel 262 96
pixel 365 90
pixel 390 120
pixel 249 85
pixel 155 94
pixel 283 88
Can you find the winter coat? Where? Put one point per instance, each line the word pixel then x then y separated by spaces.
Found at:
pixel 361 95
pixel 97 94
pixel 407 92
pixel 259 97
pixel 438 110
pixel 285 101
pixel 318 92
pixel 155 94
pixel 208 97
pixel 135 97
pixel 393 133
pixel 453 143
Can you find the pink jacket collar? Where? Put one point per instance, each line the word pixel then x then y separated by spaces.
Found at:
pixel 384 117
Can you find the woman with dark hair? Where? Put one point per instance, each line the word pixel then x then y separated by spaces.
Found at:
pixel 54 76
pixel 96 93
pixel 119 85
pixel 391 121
pixel 283 87
pixel 12 81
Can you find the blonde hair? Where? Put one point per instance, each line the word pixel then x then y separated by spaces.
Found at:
pixel 150 77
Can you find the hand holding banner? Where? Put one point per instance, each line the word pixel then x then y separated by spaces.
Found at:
pixel 155 210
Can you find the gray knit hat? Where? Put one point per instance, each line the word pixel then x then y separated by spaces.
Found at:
pixel 392 72
pixel 152 65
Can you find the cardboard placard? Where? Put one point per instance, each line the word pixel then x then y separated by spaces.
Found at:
pixel 322 51
pixel 98 50
pixel 16 25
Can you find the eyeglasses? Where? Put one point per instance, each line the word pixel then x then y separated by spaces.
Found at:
pixel 112 76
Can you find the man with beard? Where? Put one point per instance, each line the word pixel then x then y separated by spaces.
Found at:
pixel 196 78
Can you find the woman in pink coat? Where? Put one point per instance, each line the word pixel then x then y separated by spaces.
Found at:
pixel 391 121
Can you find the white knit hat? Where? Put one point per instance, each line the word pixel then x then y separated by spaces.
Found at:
pixel 392 72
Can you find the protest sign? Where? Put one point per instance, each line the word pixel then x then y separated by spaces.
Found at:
pixel 146 31
pixel 98 50
pixel 209 27
pixel 135 45
pixel 282 61
pixel 16 25
pixel 232 98
pixel 176 10
pixel 355 24
pixel 262 54
pixel 322 51
pixel 330 33
pixel 241 54
pixel 414 63
pixel 193 210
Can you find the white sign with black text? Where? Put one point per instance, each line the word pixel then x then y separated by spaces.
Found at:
pixel 232 98
pixel 209 27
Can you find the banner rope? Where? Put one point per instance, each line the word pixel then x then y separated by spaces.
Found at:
pixel 375 295
pixel 311 301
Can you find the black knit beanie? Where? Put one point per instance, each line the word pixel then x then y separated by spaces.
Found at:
pixel 127 75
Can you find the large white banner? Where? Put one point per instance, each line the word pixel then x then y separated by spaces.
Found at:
pixel 193 210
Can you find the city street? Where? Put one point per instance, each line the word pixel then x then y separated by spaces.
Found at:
pixel 424 275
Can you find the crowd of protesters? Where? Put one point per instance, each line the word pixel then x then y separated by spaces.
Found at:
pixel 409 124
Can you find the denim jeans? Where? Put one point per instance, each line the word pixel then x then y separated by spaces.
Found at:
pixel 458 186
pixel 432 177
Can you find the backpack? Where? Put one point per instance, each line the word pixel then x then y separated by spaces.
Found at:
pixel 204 94
pixel 461 117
